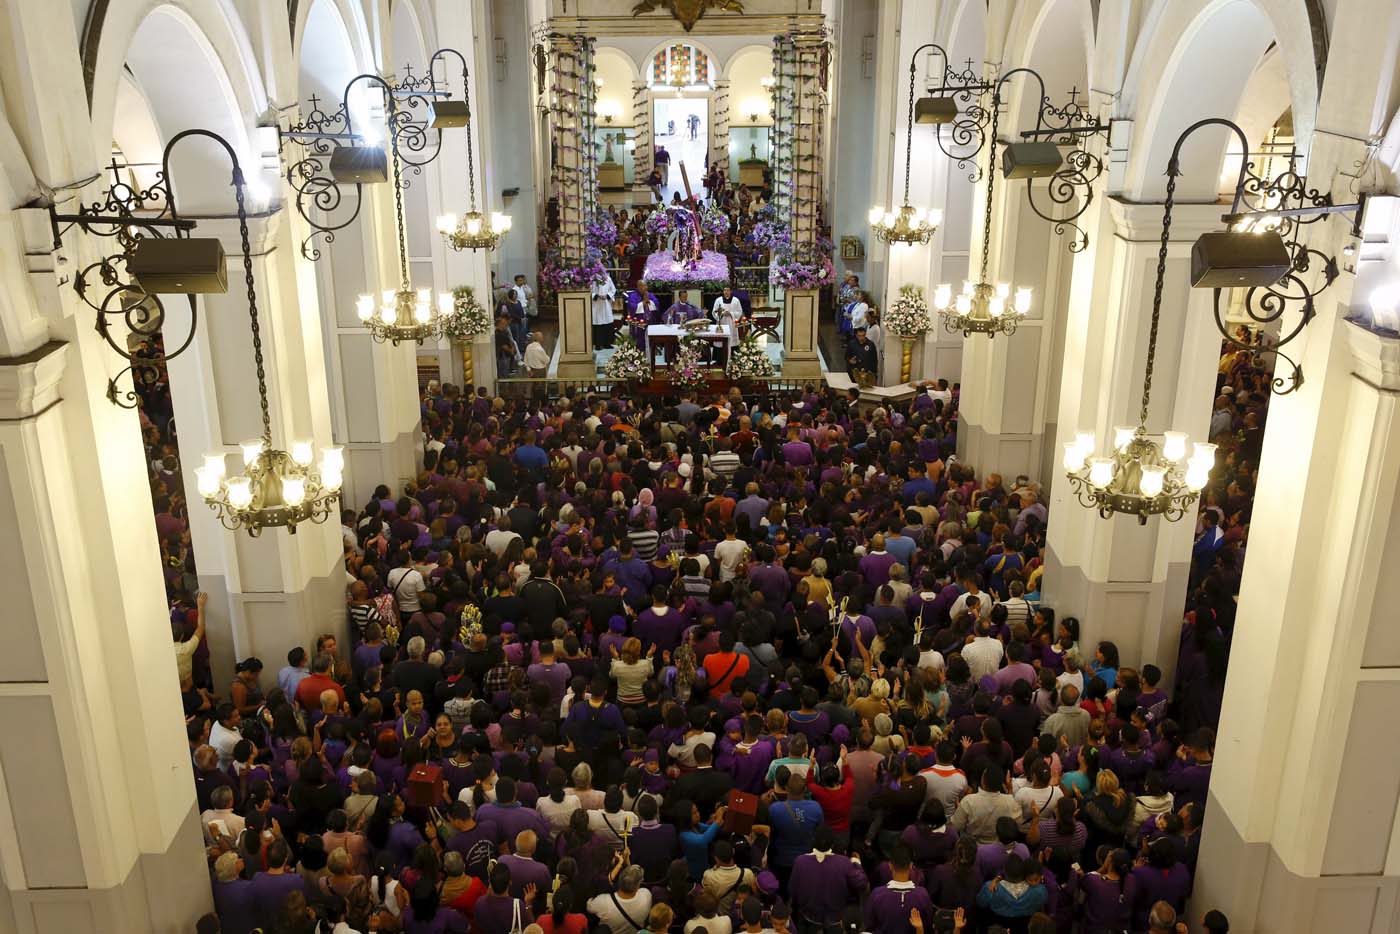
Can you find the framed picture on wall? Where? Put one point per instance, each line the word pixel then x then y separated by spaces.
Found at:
pixel 852 248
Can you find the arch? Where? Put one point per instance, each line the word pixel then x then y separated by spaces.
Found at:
pixel 644 66
pixel 1056 39
pixel 340 44
pixel 620 58
pixel 1194 59
pixel 765 50
pixel 194 68
pixel 409 41
pixel 351 20
pixel 967 34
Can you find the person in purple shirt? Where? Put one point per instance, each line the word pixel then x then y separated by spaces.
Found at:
pixel 1130 763
pixel 823 882
pixel 1108 894
pixel 633 575
pixel 233 896
pixel 653 845
pixel 768 578
pixel 748 762
pixel 469 832
pixel 991 857
pixel 590 720
pixel 525 872
pixel 876 563
pixel 1163 879
pixel 496 910
pixel 1188 776
pixel 1017 669
pixel 660 624
pixel 510 815
pixel 752 505
pixel 268 890
pixel 549 672
pixel 890 907
pixel 424 915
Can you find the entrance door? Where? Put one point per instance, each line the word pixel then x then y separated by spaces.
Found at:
pixel 681 128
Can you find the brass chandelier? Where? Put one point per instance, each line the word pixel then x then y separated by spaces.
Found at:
pixel 910 224
pixel 276 488
pixel 474 230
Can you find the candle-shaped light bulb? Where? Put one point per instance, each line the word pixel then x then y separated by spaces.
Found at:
pixel 1100 472
pixel 1151 480
pixel 996 306
pixel 877 214
pixel 446 223
pixel 1173 445
pixel 1123 436
pixel 1023 301
pixel 302 453
pixel 293 490
pixel 240 493
pixel 207 480
pixel 364 307
pixel 214 464
pixel 1003 290
pixel 1074 458
pixel 964 304
pixel 943 296
pixel 251 450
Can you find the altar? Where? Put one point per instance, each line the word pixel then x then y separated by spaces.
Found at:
pixel 666 338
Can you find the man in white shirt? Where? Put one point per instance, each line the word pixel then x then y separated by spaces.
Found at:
pixel 536 357
pixel 626 910
pixel 499 538
pixel 230 824
pixel 983 653
pixel 730 555
pixel 523 294
pixel 406 584
pixel 943 780
pixel 974 600
pixel 727 309
pixel 603 292
pixel 224 735
pixel 941 393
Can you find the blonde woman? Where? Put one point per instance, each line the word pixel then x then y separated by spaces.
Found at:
pixel 1109 812
pixel 631 670
pixel 876 702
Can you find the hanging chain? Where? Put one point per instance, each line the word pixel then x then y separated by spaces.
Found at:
pixel 398 191
pixel 991 185
pixel 1172 172
pixel 909 135
pixel 471 165
pixel 252 303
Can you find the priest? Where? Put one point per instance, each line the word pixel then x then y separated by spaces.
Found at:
pixel 641 311
pixel 682 311
pixel 727 310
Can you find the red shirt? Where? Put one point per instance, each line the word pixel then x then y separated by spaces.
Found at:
pixel 573 924
pixel 722 668
pixel 310 688
pixel 835 802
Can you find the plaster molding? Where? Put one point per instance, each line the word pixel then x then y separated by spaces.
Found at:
pixel 29 382
pixel 1138 221
pixel 1375 357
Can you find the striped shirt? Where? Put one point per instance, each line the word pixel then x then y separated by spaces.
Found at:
pixel 1017 611
pixel 724 463
pixel 644 542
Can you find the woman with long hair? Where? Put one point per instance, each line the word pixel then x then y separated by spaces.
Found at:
pixel 1108 811
pixel 561 918
pixel 559 805
pixel 1107 907
pixel 955 884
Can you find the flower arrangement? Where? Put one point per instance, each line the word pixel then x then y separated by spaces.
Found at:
pixel 709 273
pixel 600 231
pixel 803 267
pixel 908 314
pixel 714 221
pixel 628 361
pixel 687 373
pixel 772 234
pixel 749 360
pixel 665 221
pixel 468 318
pixel 562 278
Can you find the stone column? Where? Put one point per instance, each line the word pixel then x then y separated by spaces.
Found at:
pixel 1124 581
pixel 808 134
pixel 720 108
pixel 641 123
pixel 97 810
pixel 278 589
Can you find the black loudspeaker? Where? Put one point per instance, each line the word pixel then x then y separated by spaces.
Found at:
pixel 1227 259
pixel 443 114
pixel 360 165
pixel 165 266
pixel 935 110
pixel 1030 160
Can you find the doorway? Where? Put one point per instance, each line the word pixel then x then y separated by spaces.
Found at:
pixel 682 129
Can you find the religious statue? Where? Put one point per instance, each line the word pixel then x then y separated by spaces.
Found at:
pixel 688 12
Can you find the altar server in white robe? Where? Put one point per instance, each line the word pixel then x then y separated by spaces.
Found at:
pixel 604 291
pixel 727 309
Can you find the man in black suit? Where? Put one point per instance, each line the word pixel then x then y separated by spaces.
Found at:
pixel 706 786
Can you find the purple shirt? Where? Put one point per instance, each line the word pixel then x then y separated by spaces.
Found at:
pixel 749 770
pixel 875 567
pixel 662 629
pixel 889 906
pixel 991 857
pixel 554 674
pixel 820 891
pixel 797 454
pixel 269 891
pixel 1150 886
pixel 524 871
pixel 235 905
pixel 1106 903
pixel 512 819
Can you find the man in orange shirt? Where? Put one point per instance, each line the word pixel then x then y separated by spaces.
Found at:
pixel 722 667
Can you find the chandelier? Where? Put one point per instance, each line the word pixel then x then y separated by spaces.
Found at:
pixel 983 308
pixel 908 224
pixel 1138 476
pixel 276 488
pixel 402 314
pixel 474 230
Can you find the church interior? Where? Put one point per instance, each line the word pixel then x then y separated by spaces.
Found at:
pixel 699 466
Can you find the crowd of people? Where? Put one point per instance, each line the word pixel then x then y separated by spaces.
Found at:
pixel 760 664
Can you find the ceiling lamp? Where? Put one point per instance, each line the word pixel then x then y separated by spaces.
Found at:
pixel 1137 476
pixel 908 224
pixel 983 308
pixel 403 314
pixel 276 488
pixel 474 230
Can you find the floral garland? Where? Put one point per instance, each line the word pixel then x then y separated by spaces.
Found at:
pixel 908 314
pixel 468 318
pixel 749 360
pixel 687 373
pixel 628 361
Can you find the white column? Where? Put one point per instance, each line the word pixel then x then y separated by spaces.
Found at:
pixel 99 829
pixel 801 310
pixel 1124 581
pixel 279 589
